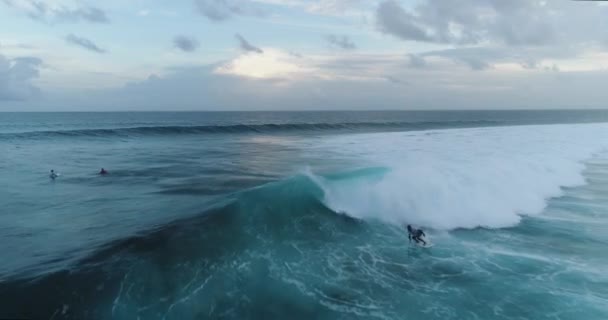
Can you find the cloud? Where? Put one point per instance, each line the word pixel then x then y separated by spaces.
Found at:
pixel 342 42
pixel 323 7
pixel 529 64
pixel 554 68
pixel 41 11
pixel 394 20
pixel 220 10
pixel 395 80
pixel 84 43
pixel 476 64
pixel 185 43
pixel 203 88
pixel 332 6
pixel 246 46
pixel 90 14
pixel 16 77
pixel 475 58
pixel 271 64
pixel 469 22
pixel 416 61
pixel 284 67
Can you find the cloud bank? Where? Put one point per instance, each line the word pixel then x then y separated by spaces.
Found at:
pixel 407 54
pixel 514 22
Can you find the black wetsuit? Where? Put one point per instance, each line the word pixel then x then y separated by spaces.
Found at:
pixel 416 234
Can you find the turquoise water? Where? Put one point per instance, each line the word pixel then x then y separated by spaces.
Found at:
pixel 257 216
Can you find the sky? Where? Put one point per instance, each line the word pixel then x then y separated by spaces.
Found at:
pixel 116 55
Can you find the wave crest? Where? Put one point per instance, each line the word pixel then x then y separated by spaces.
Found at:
pixel 251 128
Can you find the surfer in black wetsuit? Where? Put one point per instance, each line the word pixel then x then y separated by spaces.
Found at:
pixel 415 234
pixel 103 171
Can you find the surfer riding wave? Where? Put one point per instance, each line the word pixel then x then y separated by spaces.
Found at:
pixel 415 234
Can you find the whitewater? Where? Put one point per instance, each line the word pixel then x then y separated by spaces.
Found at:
pixel 301 216
pixel 462 178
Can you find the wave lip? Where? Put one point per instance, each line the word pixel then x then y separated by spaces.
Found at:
pixel 252 128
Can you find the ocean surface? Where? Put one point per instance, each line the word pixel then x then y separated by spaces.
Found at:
pixel 286 215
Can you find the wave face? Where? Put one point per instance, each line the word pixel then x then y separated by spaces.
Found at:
pixel 486 177
pixel 252 128
pixel 175 271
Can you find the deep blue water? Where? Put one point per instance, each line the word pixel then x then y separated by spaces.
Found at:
pixel 259 215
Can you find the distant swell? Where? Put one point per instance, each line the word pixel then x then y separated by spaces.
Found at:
pixel 255 128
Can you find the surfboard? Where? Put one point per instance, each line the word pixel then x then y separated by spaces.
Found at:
pixel 428 244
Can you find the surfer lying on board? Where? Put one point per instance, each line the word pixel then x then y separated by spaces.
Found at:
pixel 415 234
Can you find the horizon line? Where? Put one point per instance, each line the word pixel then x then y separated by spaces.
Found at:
pixel 311 110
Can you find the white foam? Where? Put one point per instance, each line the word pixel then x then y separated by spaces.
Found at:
pixel 462 178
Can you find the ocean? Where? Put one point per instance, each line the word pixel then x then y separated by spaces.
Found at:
pixel 301 215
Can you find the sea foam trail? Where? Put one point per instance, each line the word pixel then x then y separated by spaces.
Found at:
pixel 462 178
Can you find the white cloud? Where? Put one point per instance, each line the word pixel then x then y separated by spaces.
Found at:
pixel 283 66
pixel 271 64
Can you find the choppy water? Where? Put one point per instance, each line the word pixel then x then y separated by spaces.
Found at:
pixel 298 215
